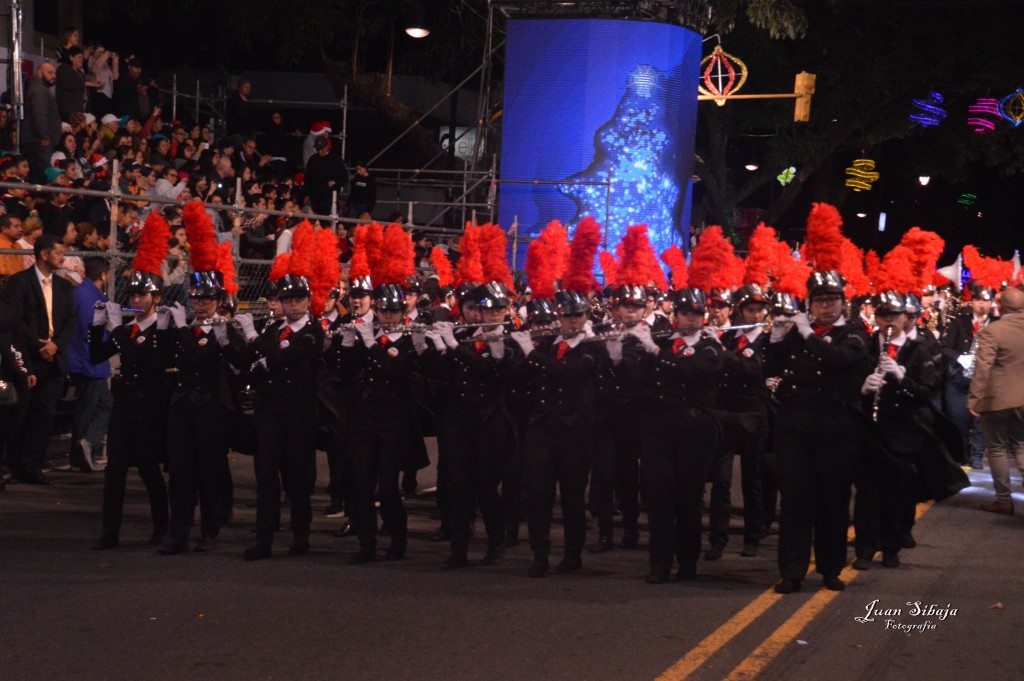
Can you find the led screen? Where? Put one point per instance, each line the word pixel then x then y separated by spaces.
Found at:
pixel 599 119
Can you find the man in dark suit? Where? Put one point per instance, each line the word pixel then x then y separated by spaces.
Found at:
pixel 43 304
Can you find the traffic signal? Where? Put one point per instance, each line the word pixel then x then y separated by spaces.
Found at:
pixel 803 89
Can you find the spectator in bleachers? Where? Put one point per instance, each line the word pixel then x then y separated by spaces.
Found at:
pixel 126 90
pixel 185 159
pixel 93 400
pixel 41 131
pixel 71 86
pixel 10 234
pixel 31 230
pixel 7 128
pixel 168 185
pixel 325 174
pixel 158 156
pixel 88 238
pixel 18 202
pixel 239 112
pixel 55 213
pixel 103 71
pixel 248 157
pixel 69 37
pixel 73 269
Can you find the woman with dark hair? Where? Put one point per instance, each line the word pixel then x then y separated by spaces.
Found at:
pixel 6 128
pixel 88 238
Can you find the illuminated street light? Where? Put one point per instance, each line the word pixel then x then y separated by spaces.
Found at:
pixel 924 180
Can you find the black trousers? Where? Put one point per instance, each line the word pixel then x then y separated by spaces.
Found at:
pixel 197 451
pixel 338 462
pixel 284 445
pixel 881 518
pixel 136 436
pixel 615 474
pixel 816 452
pixel 678 449
pixel 555 453
pixel 750 447
pixel 35 413
pixel 512 483
pixel 476 446
pixel 377 446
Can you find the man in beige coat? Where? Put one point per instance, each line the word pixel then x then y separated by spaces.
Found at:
pixel 997 395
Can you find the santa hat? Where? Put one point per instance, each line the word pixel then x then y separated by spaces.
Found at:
pixel 320 128
pixel 97 161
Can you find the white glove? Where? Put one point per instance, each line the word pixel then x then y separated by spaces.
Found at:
pixel 872 383
pixel 614 346
pixel 642 332
pixel 163 319
pixel 523 340
pixel 772 382
pixel 365 332
pixel 588 329
pixel 888 365
pixel 114 315
pixel 99 316
pixel 447 331
pixel 419 340
pixel 348 338
pixel 178 315
pixel 803 325
pixel 246 324
pixel 497 348
pixel 220 332
pixel 779 331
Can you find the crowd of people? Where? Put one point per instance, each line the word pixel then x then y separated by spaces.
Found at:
pixel 825 373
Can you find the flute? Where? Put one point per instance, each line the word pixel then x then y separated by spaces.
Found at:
pixel 878 394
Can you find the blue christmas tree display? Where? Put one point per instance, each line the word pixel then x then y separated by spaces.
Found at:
pixel 632 153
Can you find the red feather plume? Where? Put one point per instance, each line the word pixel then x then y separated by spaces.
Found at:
pixel 609 268
pixel 304 244
pixel 494 255
pixel 926 248
pixel 852 268
pixel 556 238
pixel 762 256
pixel 871 265
pixel 824 247
pixel 544 260
pixel 326 270
pixel 714 264
pixel 202 237
pixel 226 266
pixel 635 252
pixel 153 245
pixel 470 267
pixel 280 266
pixel 897 271
pixel 991 272
pixel 585 243
pixel 791 274
pixel 675 260
pixel 359 265
pixel 443 267
pixel 398 259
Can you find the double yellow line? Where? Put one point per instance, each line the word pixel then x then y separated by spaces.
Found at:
pixel 757 660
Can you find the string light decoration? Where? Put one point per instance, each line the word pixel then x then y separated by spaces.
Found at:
pixel 932 112
pixel 967 200
pixel 1011 107
pixel 985 106
pixel 722 74
pixel 786 176
pixel 861 175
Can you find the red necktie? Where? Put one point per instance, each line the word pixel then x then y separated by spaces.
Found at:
pixel 822 330
pixel 977 325
pixel 359 321
pixel 324 323
pixel 480 345
pixel 287 332
pixel 384 340
pixel 893 351
pixel 720 333
pixel 742 342
pixel 677 345
pixel 408 321
pixel 198 331
pixel 135 331
pixel 563 348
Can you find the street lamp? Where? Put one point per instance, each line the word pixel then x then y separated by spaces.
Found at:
pixel 417 25
pixel 924 180
pixel 751 167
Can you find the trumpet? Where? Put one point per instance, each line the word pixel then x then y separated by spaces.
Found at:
pixel 878 394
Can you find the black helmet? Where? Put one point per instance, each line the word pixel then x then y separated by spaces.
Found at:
pixel 492 296
pixel 913 307
pixel 721 296
pixel 389 297
pixel 464 291
pixel 749 293
pixel 360 286
pixel 292 286
pixel 889 302
pixel 981 292
pixel 784 304
pixel 821 283
pixel 632 294
pixel 540 311
pixel 571 302
pixel 413 285
pixel 690 300
pixel 143 282
pixel 207 285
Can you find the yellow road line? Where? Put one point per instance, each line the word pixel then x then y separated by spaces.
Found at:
pixel 719 638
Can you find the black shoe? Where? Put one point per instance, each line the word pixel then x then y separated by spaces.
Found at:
pixel 35 478
pixel 750 550
pixel 511 540
pixel 834 583
pixel 362 556
pixel 441 535
pixel 604 543
pixel 105 543
pixel 570 563
pixel 908 541
pixel 539 568
pixel 77 457
pixel 397 549
pixel 686 574
pixel 862 564
pixel 170 547
pixel 787 586
pixel 334 510
pixel 630 541
pixel 890 560
pixel 455 561
pixel 257 552
pixel 657 578
pixel 205 544
pixel 299 547
pixel 713 553
pixel 494 554
pixel 346 530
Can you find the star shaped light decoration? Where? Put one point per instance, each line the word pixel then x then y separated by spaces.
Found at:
pixel 786 176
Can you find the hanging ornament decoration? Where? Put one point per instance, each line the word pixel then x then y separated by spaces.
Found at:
pixel 1011 107
pixel 786 176
pixel 967 200
pixel 861 176
pixel 932 112
pixel 722 74
pixel 985 106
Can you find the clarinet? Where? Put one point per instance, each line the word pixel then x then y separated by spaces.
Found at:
pixel 878 369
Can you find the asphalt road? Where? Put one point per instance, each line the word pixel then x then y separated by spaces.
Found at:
pixel 67 612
